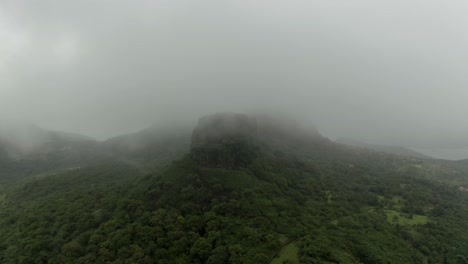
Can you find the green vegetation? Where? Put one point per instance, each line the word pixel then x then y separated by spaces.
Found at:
pixel 192 214
pixel 406 219
pixel 337 205
pixel 329 196
pixel 397 202
pixel 288 254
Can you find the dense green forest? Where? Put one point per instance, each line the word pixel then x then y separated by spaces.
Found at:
pixel 268 196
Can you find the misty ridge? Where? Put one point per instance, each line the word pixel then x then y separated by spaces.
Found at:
pixel 350 69
pixel 226 140
pixel 27 150
pixel 22 139
pixel 19 140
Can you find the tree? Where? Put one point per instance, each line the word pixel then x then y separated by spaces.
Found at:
pixel 201 249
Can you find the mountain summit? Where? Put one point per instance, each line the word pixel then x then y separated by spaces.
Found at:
pixel 223 140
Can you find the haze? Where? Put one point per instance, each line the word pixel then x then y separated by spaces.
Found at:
pixel 387 72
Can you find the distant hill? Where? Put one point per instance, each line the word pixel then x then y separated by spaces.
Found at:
pixel 150 147
pixel 27 150
pixel 151 139
pixel 19 140
pixel 395 150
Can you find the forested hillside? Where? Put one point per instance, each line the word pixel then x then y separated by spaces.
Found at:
pixel 28 151
pixel 396 150
pixel 248 190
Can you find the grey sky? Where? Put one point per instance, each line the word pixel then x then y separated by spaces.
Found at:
pixel 391 72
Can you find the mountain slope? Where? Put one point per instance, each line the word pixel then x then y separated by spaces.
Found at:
pixel 27 150
pixel 396 150
pixel 327 202
pixel 20 140
pixel 150 146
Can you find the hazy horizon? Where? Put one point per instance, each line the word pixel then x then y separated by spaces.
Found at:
pixel 391 73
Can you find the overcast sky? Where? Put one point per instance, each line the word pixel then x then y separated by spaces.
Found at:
pixel 390 72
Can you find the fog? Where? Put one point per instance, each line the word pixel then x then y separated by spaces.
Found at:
pixel 386 72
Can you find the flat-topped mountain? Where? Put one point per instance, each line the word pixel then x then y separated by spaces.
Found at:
pixel 230 140
pixel 223 140
pixel 224 128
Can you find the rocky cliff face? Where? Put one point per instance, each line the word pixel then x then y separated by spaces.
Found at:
pixel 224 140
pixel 231 140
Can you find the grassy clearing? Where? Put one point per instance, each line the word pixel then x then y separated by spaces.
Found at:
pixel 397 202
pixel 396 217
pixel 289 252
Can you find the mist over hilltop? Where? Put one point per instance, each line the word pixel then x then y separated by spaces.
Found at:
pixel 383 73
